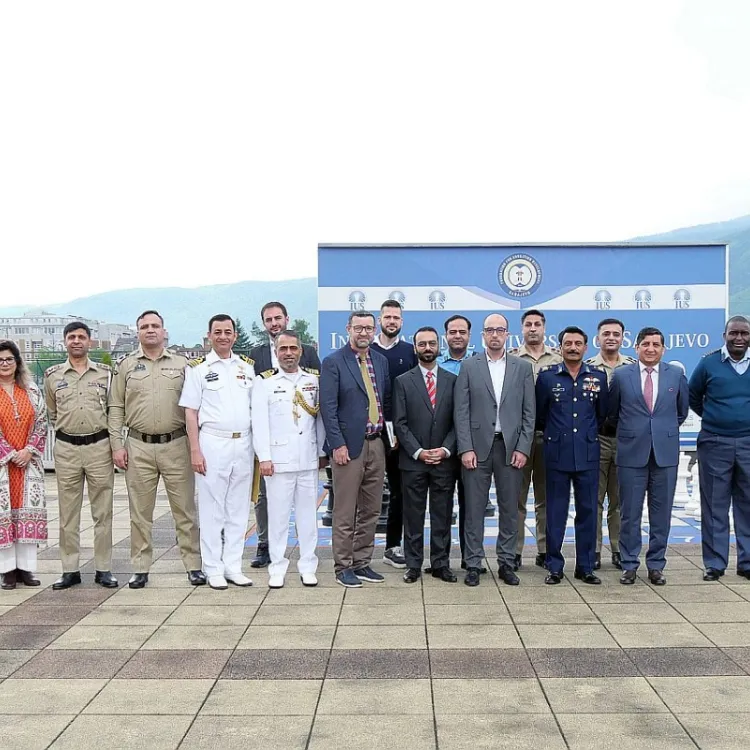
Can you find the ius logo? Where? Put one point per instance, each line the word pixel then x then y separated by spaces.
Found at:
pixel 398 296
pixel 681 299
pixel 642 299
pixel 437 300
pixel 603 299
pixel 357 300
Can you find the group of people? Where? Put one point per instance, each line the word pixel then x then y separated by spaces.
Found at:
pixel 261 426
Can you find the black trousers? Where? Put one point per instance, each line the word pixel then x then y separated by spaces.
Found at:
pixel 461 508
pixel 416 487
pixel 395 525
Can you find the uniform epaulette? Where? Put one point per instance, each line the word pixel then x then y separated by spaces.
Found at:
pixel 123 358
pixel 630 360
pixel 514 351
pixel 249 360
pixel 310 370
pixel 197 361
pixel 103 366
pixel 547 367
pixel 598 368
pixel 589 361
pixel 53 368
pixel 269 373
pixel 707 354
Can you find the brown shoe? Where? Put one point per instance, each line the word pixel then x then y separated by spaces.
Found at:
pixel 27 578
pixel 9 580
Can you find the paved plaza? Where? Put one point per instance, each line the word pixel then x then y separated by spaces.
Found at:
pixel 431 665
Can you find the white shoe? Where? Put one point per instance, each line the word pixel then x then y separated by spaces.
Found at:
pixel 217 582
pixel 238 579
pixel 275 582
pixel 309 579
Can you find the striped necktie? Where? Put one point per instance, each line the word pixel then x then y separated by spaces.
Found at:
pixel 431 388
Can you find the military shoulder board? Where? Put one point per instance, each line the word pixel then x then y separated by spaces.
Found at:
pixel 708 354
pixel 53 368
pixel 547 367
pixel 514 351
pixel 247 359
pixel 269 373
pixel 102 366
pixel 310 370
pixel 630 360
pixel 196 362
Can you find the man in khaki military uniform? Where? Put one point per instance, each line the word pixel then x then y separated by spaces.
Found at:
pixel 534 351
pixel 144 397
pixel 76 396
pixel 609 333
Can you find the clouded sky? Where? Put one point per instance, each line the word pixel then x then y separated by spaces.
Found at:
pixel 183 143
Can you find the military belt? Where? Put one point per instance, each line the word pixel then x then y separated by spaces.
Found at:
pixel 82 439
pixel 165 438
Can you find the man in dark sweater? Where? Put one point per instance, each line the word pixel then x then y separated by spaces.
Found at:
pixel 720 395
pixel 401 358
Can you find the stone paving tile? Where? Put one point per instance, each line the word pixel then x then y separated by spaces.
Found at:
pixel 104 637
pixel 10 660
pixel 288 636
pixel 378 664
pixel 372 732
pixel 297 614
pixel 180 664
pixel 685 662
pixel 495 696
pixel 560 594
pixel 382 614
pixel 703 694
pixel 272 698
pixel 486 594
pixel 77 596
pixel 719 731
pixel 276 664
pixel 124 732
pixel 147 597
pixel 641 731
pixel 19 595
pixel 740 656
pixel 232 733
pixel 638 593
pixel 473 636
pixel 406 595
pixel 365 697
pixel 57 696
pixel 565 636
pixel 672 635
pixel 543 613
pixel 726 634
pixel 377 636
pixel 61 664
pixel 173 637
pixel 715 611
pixel 140 697
pixel 207 616
pixel 696 594
pixel 25 614
pixel 204 596
pixel 19 637
pixel 581 662
pixel 583 695
pixel 650 613
pixel 32 732
pixel 471 614
pixel 488 732
pixel 127 615
pixel 480 663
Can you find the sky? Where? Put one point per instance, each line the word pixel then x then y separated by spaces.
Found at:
pixel 159 143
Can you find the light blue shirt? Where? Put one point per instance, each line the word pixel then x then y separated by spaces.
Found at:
pixel 740 366
pixel 452 365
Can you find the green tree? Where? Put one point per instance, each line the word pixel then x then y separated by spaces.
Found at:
pixel 302 328
pixel 244 343
pixel 259 335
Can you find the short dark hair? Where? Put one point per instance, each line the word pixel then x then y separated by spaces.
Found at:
pixel 458 317
pixel 538 313
pixel 76 325
pixel 391 303
pixel 220 318
pixel 360 314
pixel 648 331
pixel 148 312
pixel 573 329
pixel 736 319
pixel 611 322
pixel 22 372
pixel 269 305
pixel 288 332
pixel 426 329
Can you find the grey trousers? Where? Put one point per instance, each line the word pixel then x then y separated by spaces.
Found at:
pixel 261 513
pixel 477 487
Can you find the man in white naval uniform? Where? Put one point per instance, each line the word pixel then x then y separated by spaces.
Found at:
pixel 217 397
pixel 288 437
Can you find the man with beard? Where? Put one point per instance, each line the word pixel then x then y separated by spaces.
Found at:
pixel 720 394
pixel 423 421
pixel 275 319
pixel 539 355
pixel 610 334
pixel 401 359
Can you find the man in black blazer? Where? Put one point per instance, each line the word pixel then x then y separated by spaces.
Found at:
pixel 423 422
pixel 275 320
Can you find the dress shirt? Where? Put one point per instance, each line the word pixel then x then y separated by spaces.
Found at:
pixel 452 365
pixel 497 373
pixel 740 366
pixel 654 380
pixel 391 344
pixel 274 358
pixel 424 372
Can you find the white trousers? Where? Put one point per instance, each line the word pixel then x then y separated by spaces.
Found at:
pixel 224 502
pixel 289 490
pixel 21 555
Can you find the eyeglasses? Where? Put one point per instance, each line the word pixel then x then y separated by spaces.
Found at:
pixel 499 330
pixel 363 329
pixel 7 360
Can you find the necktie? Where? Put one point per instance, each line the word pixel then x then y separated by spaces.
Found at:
pixel 372 410
pixel 648 390
pixel 431 388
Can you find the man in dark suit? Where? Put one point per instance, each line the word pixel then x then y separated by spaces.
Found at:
pixel 275 320
pixel 494 414
pixel 423 422
pixel 355 403
pixel 648 402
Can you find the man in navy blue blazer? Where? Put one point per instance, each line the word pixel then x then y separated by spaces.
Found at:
pixel 355 403
pixel 648 402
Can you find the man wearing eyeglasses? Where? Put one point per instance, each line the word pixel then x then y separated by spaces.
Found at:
pixel 355 403
pixel 494 414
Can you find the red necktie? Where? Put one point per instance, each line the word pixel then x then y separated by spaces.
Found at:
pixel 431 388
pixel 648 390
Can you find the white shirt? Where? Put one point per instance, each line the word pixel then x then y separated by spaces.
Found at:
pixel 220 390
pixel 434 372
pixel 740 366
pixel 497 373
pixel 654 380
pixel 274 358
pixel 386 347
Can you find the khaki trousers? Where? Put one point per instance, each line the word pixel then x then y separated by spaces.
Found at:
pixel 534 471
pixel 608 486
pixel 357 500
pixel 75 464
pixel 146 464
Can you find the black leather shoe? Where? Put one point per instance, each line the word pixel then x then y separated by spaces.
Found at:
pixel 138 580
pixel 27 578
pixel 628 578
pixel 540 559
pixel 444 574
pixel 262 559
pixel 518 562
pixel 67 580
pixel 482 570
pixel 656 577
pixel 472 577
pixel 196 577
pixel 412 575
pixel 598 561
pixel 744 573
pixel 9 581
pixel 106 579
pixel 508 576
pixel 553 578
pixel 587 577
pixel 712 574
pixel 617 560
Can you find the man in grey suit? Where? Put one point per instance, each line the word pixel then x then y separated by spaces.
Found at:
pixel 494 415
pixel 648 401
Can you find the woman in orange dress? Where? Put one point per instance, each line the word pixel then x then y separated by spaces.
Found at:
pixel 23 433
